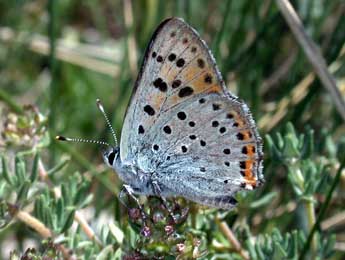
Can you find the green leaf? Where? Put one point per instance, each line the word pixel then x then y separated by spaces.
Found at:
pixel 259 251
pixel 105 253
pixel 38 208
pixel 328 246
pixel 81 193
pixel 49 218
pixel 117 233
pixel 19 170
pixel 59 166
pixel 34 171
pixel 279 252
pixel 55 221
pixel 3 189
pixel 69 221
pixel 274 151
pixel 118 254
pixel 251 249
pixel 84 244
pixel 66 194
pixel 308 146
pixel 266 199
pixel 5 172
pixel 60 208
pixel 290 149
pixel 23 191
pixel 86 201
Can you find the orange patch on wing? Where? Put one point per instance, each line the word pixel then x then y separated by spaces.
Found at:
pixel 246 135
pixel 174 99
pixel 165 69
pixel 251 150
pixel 157 100
pixel 170 72
pixel 214 89
pixel 189 74
pixel 248 172
pixel 204 81
pixel 249 164
pixel 240 123
pixel 199 84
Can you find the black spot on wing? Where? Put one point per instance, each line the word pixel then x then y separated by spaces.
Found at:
pixel 141 129
pixel 180 62
pixel 226 151
pixel 149 110
pixel 185 92
pixel 176 83
pixel 201 63
pixel 181 115
pixel 159 58
pixel 167 129
pixel 172 57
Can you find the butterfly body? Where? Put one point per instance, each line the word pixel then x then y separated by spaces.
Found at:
pixel 184 133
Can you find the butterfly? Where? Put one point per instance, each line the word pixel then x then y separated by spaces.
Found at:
pixel 184 134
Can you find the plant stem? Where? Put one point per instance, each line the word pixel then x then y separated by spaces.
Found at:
pixel 52 62
pixel 309 205
pixel 322 210
pixel 30 221
pixel 232 238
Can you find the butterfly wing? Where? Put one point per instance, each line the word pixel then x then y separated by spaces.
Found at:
pixel 184 126
pixel 214 153
pixel 166 58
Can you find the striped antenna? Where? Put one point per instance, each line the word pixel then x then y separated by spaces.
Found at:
pixel 100 106
pixel 80 140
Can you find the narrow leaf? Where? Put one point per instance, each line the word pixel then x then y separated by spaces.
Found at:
pixel 23 191
pixel 68 222
pixel 59 166
pixel 60 208
pixel 20 170
pixel 264 200
pixel 5 172
pixel 34 171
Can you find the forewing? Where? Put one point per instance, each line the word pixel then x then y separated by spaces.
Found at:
pixel 174 55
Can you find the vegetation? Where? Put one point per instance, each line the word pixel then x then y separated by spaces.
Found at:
pixel 61 201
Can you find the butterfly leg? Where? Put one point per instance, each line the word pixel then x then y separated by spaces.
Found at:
pixel 127 189
pixel 157 190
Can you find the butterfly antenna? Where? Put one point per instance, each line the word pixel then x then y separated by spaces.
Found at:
pixel 80 140
pixel 100 106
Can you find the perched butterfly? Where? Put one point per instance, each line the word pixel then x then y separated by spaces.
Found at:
pixel 184 133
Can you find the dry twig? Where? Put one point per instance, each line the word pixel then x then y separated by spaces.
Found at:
pixel 313 54
pixel 268 121
pixel 38 226
pixel 232 239
pixel 74 55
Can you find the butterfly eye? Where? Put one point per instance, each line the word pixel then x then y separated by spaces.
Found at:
pixel 111 158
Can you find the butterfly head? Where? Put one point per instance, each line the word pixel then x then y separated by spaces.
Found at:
pixel 111 155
